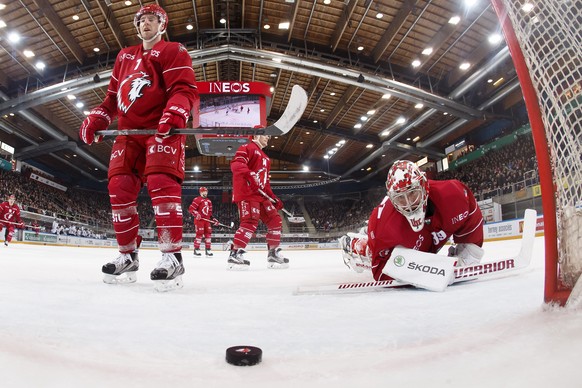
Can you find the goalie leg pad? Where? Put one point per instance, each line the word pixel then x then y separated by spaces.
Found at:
pixel 421 269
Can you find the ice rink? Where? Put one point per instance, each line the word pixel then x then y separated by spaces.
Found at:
pixel 61 326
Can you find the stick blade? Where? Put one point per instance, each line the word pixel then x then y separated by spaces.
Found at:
pixel 293 112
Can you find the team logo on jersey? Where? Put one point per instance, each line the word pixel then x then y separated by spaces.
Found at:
pixel 131 89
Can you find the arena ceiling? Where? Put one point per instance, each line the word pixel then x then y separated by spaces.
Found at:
pixel 353 57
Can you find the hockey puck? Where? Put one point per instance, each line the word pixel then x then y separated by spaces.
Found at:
pixel 244 355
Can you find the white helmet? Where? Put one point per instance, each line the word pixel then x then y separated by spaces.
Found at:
pixel 408 191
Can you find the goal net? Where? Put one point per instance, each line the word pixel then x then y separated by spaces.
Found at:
pixel 545 41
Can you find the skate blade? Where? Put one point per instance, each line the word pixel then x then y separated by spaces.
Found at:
pixel 168 285
pixel 237 267
pixel 277 266
pixel 130 277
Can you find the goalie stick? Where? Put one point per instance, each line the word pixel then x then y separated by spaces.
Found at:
pixel 293 112
pixel 480 271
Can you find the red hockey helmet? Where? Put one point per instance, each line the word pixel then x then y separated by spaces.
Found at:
pixel 203 190
pixel 408 191
pixel 155 10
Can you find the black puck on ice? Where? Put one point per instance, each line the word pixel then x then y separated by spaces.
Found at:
pixel 244 355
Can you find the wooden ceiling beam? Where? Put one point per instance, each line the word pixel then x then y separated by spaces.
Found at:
pixel 112 23
pixel 293 19
pixel 60 28
pixel 342 24
pixel 395 25
pixel 340 106
pixel 438 41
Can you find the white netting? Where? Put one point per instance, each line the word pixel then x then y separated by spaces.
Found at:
pixel 550 36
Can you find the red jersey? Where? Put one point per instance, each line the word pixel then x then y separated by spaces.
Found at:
pixel 202 206
pixel 250 158
pixel 452 211
pixel 144 82
pixel 9 213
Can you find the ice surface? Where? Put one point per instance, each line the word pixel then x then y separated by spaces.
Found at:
pixel 61 326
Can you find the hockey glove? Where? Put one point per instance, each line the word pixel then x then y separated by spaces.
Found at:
pixel 21 225
pixel 253 181
pixel 215 222
pixel 198 216
pixel 97 120
pixel 278 203
pixel 467 253
pixel 173 117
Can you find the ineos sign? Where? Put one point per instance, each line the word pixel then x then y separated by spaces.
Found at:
pixel 229 87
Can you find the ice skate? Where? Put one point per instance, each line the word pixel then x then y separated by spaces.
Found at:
pixel 276 260
pixel 168 273
pixel 197 252
pixel 209 253
pixel 121 270
pixel 236 261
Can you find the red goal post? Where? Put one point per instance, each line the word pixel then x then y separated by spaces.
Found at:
pixel 544 40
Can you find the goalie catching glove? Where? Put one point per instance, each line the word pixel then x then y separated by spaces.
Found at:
pixel 173 117
pixel 467 253
pixel 97 120
pixel 355 251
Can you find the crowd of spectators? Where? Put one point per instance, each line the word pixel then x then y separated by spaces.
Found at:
pixel 500 171
pixel 88 213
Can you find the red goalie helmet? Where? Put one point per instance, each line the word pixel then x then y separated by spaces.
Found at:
pixel 155 10
pixel 408 191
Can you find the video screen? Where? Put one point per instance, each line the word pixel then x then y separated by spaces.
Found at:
pixel 230 110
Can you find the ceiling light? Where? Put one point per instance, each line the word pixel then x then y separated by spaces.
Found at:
pixel 358 126
pixel 494 38
pixel 445 113
pixel 40 65
pixel 415 63
pixel 527 7
pixel 464 65
pixel 79 105
pixel 379 15
pixel 222 21
pixel 127 2
pixel 371 112
pixel 500 80
pixel 266 26
pixel 454 20
pixel 370 146
pixel 386 96
pixel 86 112
pixel 416 139
pixel 284 26
pixel 489 80
pixel 71 97
pixel 2 24
pixel 427 51
pixel 189 27
pixel 326 156
pixel 401 120
pixel 360 48
pixel 75 17
pixel 470 3
pixel 314 121
pixel 28 53
pixel 322 110
pixel 13 37
pixel 418 106
pixel 363 118
pixel 326 1
pixel 332 94
pixel 305 168
pixel 272 89
pixel 96 49
pixel 2 6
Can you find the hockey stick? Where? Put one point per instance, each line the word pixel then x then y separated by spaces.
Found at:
pixel 18 223
pixel 218 223
pixel 482 271
pixel 273 200
pixel 293 112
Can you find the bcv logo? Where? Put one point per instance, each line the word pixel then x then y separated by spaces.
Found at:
pixel 162 149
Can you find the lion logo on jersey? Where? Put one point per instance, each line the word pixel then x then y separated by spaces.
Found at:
pixel 131 89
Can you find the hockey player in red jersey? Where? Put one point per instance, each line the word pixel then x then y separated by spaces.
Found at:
pixel 10 218
pixel 420 214
pixel 201 210
pixel 152 86
pixel 250 175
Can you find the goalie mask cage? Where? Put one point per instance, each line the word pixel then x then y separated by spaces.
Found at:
pixel 545 45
